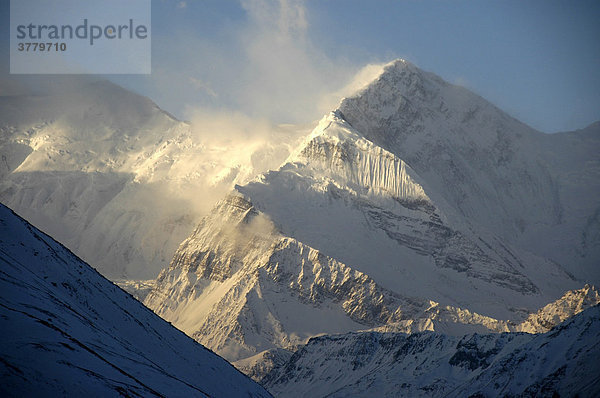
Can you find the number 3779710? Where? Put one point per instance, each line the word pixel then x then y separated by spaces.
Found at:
pixel 42 47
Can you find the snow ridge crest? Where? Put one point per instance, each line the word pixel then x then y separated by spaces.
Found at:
pixel 336 152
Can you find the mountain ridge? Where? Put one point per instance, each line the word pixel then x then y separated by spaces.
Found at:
pixel 452 138
pixel 68 330
pixel 116 178
pixel 559 362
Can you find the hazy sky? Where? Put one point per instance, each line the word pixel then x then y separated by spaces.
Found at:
pixel 288 61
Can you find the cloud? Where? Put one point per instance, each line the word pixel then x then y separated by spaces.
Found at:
pixel 238 89
pixel 182 4
pixel 238 141
pixel 264 65
pixel 364 76
pixel 230 148
pixel 202 86
pixel 286 74
pixel 285 17
pixel 240 86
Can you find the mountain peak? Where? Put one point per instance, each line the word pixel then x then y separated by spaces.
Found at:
pixel 398 77
pixel 401 67
pixel 405 100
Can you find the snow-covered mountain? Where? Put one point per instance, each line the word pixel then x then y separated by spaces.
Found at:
pixel 112 176
pixel 573 302
pixel 67 331
pixel 562 362
pixel 537 191
pixel 408 208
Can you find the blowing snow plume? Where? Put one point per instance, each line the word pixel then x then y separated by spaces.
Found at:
pixel 117 179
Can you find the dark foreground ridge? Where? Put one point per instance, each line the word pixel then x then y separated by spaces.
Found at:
pixel 66 330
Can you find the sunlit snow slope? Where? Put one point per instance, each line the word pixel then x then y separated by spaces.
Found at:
pixel 112 176
pixel 67 331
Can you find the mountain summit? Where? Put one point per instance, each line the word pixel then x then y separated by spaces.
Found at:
pixel 486 168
